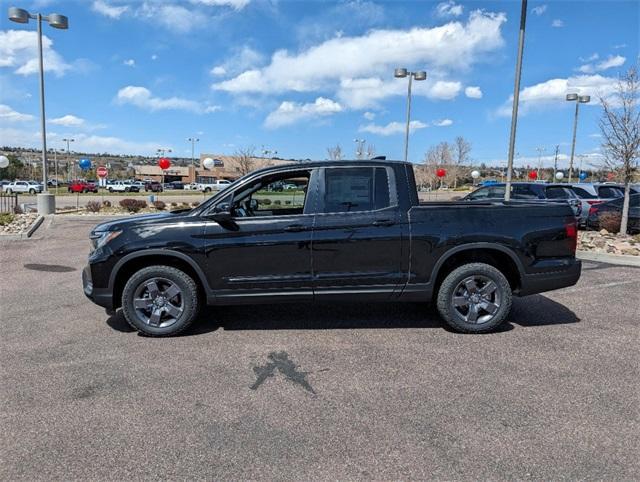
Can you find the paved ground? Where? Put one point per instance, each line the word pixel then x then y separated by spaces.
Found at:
pixel 357 392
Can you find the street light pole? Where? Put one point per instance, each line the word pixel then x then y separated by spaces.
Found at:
pixel 578 99
pixel 69 174
pixel 540 151
pixel 193 141
pixel 359 148
pixel 46 202
pixel 419 75
pixel 516 98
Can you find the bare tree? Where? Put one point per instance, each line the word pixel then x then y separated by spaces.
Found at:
pixel 245 159
pixel 438 156
pixel 335 153
pixel 459 158
pixel 620 127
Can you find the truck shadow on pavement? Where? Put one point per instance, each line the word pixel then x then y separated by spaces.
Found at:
pixel 532 311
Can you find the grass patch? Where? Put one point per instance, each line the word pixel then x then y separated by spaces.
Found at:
pixel 6 218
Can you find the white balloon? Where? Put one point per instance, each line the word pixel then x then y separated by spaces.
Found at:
pixel 559 175
pixel 4 162
pixel 475 174
pixel 208 163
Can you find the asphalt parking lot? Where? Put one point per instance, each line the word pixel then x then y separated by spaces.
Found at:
pixel 312 392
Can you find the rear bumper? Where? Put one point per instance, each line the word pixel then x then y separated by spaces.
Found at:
pixel 101 297
pixel 550 280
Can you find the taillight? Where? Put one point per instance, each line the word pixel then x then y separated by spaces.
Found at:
pixel 591 203
pixel 571 230
pixel 593 209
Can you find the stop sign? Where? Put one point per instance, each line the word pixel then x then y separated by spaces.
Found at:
pixel 102 171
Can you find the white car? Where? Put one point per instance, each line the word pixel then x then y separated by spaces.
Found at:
pixel 191 187
pixel 30 187
pixel 123 186
pixel 218 185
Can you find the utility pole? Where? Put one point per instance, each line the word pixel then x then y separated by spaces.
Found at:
pixel 193 141
pixel 555 163
pixel 540 151
pixel 516 97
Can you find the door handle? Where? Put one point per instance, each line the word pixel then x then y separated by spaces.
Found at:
pixel 295 228
pixel 384 222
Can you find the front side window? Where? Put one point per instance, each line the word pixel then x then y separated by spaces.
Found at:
pixel 582 193
pixel 610 192
pixel 354 189
pixel 559 192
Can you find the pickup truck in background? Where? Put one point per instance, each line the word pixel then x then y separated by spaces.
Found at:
pixel 28 187
pixel 78 185
pixel 355 231
pixel 123 186
pixel 213 186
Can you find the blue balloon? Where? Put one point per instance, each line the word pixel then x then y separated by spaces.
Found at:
pixel 583 176
pixel 85 164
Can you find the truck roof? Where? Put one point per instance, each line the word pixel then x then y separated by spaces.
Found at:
pixel 350 162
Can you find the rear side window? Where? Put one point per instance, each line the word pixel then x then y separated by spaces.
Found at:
pixel 481 193
pixel 356 189
pixel 559 193
pixel 610 192
pixel 582 193
pixel 523 192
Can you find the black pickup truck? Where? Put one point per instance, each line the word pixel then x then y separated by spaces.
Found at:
pixel 351 230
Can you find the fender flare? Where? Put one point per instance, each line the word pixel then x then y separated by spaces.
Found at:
pixel 466 247
pixel 159 252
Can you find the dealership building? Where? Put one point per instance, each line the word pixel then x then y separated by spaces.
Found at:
pixel 225 167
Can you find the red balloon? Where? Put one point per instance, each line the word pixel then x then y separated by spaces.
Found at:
pixel 533 175
pixel 164 163
pixel 441 172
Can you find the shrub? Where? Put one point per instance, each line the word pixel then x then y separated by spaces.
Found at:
pixel 288 203
pixel 94 206
pixel 159 205
pixel 106 204
pixel 266 202
pixel 133 205
pixel 610 221
pixel 174 204
pixel 195 204
pixel 17 209
pixel 6 218
pixel 277 202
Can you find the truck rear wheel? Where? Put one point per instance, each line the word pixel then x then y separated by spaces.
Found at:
pixel 160 301
pixel 474 298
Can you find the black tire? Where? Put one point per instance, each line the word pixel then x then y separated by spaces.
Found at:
pixel 207 189
pixel 110 189
pixel 9 191
pixel 188 296
pixel 32 191
pixel 488 317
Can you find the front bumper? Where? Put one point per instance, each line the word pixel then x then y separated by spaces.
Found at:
pixel 101 297
pixel 550 280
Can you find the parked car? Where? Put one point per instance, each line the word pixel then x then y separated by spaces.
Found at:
pixel 153 186
pixel 594 193
pixel 30 187
pixel 529 191
pixel 598 210
pixel 4 183
pixel 213 186
pixel 372 241
pixel 123 186
pixel 176 185
pixel 193 186
pixel 79 185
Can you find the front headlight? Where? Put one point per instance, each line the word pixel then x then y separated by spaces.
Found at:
pixel 101 238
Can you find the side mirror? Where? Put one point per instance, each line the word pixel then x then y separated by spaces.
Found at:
pixel 222 213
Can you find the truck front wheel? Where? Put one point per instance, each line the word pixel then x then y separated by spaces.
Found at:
pixel 160 301
pixel 474 298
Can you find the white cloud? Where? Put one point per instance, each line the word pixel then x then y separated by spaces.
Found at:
pixel 291 112
pixel 7 114
pixel 108 10
pixel 473 92
pixel 392 128
pixel 243 58
pixel 369 115
pixel 553 92
pixel 142 97
pixel 443 123
pixel 539 10
pixel 173 17
pixel 608 63
pixel 331 63
pixel 67 121
pixel 591 58
pixel 18 50
pixel 129 63
pixel 619 46
pixel 154 57
pixel 557 23
pixel 236 4
pixel 449 9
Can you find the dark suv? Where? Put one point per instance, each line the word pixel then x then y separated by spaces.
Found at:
pixel 153 186
pixel 529 191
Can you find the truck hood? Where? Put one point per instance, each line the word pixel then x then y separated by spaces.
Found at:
pixel 141 220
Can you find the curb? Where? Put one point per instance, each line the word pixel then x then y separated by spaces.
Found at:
pixel 617 259
pixel 27 234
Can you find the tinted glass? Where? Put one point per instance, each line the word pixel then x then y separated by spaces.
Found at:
pixel 582 193
pixel 481 193
pixel 610 191
pixel 355 189
pixel 558 193
pixel 523 192
pixel 496 192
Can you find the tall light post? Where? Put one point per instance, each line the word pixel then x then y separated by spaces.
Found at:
pixel 359 148
pixel 193 141
pixel 516 100
pixel 578 99
pixel 46 201
pixel 540 151
pixel 401 74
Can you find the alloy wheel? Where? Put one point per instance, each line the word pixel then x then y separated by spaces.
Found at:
pixel 476 299
pixel 158 302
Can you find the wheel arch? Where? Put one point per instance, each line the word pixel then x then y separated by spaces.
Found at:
pixel 136 261
pixel 498 256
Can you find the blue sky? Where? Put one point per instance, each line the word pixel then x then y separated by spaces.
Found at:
pixel 298 77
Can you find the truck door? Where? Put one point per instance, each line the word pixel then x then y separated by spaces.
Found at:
pixel 357 236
